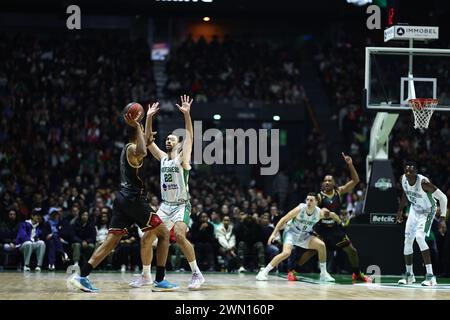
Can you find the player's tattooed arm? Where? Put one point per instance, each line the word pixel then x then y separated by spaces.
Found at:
pixel 156 152
pixel 325 213
pixel 402 205
pixel 185 108
pixel 335 217
pixel 289 216
pixel 354 176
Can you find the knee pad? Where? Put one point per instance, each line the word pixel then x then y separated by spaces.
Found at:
pixel 408 248
pixel 420 238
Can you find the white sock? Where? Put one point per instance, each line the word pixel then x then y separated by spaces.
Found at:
pixel 429 268
pixel 409 268
pixel 323 267
pixel 267 269
pixel 146 271
pixel 194 267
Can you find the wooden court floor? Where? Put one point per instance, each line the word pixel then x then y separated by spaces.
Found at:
pixel 219 286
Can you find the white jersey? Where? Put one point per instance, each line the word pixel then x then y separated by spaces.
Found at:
pixel 304 222
pixel 420 200
pixel 174 180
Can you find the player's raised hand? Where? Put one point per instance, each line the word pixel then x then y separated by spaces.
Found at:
pixel 185 104
pixel 132 121
pixel 347 159
pixel 153 109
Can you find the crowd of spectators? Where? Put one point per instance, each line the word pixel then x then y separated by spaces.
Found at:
pixel 231 70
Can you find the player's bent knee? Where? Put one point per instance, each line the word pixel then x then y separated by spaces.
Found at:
pixel 422 243
pixel 285 254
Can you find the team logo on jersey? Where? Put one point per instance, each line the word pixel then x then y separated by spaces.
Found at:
pixel 383 184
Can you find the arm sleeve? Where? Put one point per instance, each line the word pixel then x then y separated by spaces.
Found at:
pixel 438 194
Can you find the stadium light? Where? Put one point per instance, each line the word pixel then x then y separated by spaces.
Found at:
pixel 206 19
pixel 276 118
pixel 217 117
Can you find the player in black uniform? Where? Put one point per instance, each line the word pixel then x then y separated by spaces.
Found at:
pixel 332 233
pixel 131 206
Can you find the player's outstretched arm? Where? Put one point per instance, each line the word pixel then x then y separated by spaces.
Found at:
pixel 289 216
pixel 156 152
pixel 138 150
pixel 438 194
pixel 185 108
pixel 354 176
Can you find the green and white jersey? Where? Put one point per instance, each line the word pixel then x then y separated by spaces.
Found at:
pixel 304 222
pixel 420 200
pixel 174 180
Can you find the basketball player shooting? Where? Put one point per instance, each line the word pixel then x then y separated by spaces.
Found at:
pixel 131 206
pixel 419 194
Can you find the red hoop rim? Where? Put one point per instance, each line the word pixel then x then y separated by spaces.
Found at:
pixel 421 103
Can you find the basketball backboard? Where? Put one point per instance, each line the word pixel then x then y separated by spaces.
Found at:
pixel 389 84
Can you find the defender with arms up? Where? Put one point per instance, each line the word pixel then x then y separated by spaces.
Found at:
pixel 175 166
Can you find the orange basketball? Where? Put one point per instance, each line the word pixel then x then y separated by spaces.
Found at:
pixel 134 109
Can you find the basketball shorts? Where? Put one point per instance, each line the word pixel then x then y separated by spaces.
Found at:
pixel 170 213
pixel 419 222
pixel 127 211
pixel 297 239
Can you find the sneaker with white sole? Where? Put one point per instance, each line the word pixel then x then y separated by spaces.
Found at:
pixel 164 286
pixel 430 280
pixel 407 278
pixel 51 267
pixel 196 281
pixel 65 257
pixel 26 269
pixel 37 269
pixel 326 277
pixel 242 269
pixel 82 283
pixel 261 276
pixel 141 281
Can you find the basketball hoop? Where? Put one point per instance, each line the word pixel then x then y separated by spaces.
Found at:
pixel 423 109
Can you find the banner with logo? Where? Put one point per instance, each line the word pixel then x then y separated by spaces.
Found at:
pixel 383 218
pixel 381 195
pixel 411 32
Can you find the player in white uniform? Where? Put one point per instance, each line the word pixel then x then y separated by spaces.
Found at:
pixel 300 222
pixel 420 193
pixel 175 165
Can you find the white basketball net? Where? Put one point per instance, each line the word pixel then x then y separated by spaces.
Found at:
pixel 423 110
